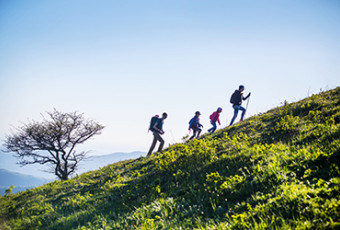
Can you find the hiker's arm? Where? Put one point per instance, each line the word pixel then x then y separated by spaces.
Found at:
pixel 245 98
pixel 218 120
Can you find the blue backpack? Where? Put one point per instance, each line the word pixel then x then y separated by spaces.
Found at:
pixel 193 123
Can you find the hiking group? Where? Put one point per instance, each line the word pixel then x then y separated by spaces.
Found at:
pixel 156 123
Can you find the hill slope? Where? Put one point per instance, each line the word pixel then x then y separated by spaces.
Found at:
pixel 276 170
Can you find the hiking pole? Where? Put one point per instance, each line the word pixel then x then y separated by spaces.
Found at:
pixel 247 105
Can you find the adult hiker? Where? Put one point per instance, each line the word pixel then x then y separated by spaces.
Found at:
pixel 195 125
pixel 236 100
pixel 215 117
pixel 156 126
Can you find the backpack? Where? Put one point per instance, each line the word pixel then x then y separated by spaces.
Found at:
pixel 153 121
pixel 233 98
pixel 191 121
pixel 193 124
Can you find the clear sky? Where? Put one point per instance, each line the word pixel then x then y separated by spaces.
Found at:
pixel 121 62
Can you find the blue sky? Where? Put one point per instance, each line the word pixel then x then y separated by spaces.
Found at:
pixel 120 62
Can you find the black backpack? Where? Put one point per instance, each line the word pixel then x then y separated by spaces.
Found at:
pixel 153 121
pixel 233 98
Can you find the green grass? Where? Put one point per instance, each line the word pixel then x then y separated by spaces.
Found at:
pixel 278 170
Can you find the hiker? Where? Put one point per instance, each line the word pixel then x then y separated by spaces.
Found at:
pixel 195 125
pixel 156 126
pixel 215 117
pixel 236 100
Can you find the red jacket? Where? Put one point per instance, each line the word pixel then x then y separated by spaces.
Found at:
pixel 215 116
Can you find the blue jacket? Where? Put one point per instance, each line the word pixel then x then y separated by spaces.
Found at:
pixel 194 123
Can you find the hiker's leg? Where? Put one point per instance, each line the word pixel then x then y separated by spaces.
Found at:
pixel 193 135
pixel 153 144
pixel 198 132
pixel 236 108
pixel 243 112
pixel 214 127
pixel 161 142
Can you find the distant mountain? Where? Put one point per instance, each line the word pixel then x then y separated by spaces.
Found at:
pixel 9 162
pixel 20 181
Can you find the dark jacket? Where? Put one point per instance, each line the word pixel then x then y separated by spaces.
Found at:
pixel 158 126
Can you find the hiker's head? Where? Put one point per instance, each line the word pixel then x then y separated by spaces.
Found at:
pixel 164 115
pixel 197 113
pixel 241 88
pixel 219 109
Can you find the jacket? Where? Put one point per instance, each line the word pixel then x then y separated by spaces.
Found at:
pixel 215 116
pixel 194 123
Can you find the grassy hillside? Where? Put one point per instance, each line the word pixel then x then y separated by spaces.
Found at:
pixel 275 170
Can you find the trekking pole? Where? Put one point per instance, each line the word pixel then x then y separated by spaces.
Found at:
pixel 247 105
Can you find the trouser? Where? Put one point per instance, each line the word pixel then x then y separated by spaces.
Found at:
pixel 211 130
pixel 236 109
pixel 196 130
pixel 156 137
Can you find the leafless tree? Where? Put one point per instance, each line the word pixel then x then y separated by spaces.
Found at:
pixel 53 141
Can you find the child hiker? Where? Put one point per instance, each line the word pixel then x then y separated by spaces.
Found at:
pixel 195 125
pixel 215 117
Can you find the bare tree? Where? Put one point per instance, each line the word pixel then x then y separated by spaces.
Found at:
pixel 53 141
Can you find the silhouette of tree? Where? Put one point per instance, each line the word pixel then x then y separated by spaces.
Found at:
pixel 53 141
